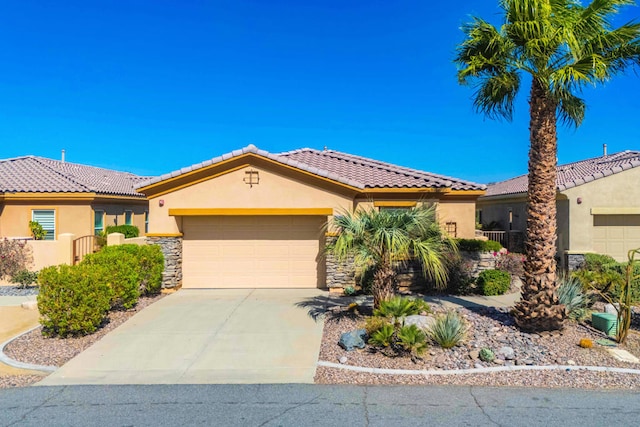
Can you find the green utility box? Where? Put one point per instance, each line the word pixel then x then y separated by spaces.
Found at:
pixel 605 322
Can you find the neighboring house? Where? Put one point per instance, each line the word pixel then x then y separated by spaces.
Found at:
pixel 251 218
pixel 66 198
pixel 598 202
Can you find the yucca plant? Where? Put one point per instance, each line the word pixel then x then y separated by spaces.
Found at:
pixel 413 340
pixel 448 330
pixel 572 295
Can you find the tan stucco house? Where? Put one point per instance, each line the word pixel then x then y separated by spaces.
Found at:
pixel 598 202
pixel 66 198
pixel 251 218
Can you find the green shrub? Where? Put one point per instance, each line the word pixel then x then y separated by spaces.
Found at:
pixel 15 255
pixel 476 245
pixel 119 269
pixel 383 337
pixel 24 278
pixel 487 355
pixel 494 282
pixel 37 231
pixel 150 265
pixel 398 307
pixel 596 262
pixel 373 324
pixel 412 340
pixel 448 330
pixel 576 301
pixel 72 300
pixel 129 231
pixel 349 290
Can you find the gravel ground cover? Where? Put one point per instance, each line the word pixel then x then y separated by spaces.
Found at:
pixel 36 349
pixel 13 291
pixel 488 327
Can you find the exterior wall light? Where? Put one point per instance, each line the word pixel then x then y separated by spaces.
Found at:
pixel 161 202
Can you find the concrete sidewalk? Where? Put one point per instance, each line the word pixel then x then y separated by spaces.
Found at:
pixel 211 336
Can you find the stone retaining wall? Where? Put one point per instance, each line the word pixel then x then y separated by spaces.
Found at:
pixel 172 251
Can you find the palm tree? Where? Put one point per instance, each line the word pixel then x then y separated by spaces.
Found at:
pixel 385 239
pixel 563 46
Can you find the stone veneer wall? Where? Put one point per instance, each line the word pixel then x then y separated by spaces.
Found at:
pixel 342 274
pixel 574 261
pixel 172 251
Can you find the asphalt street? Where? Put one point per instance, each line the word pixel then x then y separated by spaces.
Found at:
pixel 313 405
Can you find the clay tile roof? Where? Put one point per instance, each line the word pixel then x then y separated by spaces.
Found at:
pixel 573 174
pixel 355 171
pixel 31 174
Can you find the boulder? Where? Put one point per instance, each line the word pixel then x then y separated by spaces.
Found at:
pixel 507 353
pixel 352 340
pixel 422 322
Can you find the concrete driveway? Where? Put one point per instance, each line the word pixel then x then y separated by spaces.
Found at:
pixel 207 336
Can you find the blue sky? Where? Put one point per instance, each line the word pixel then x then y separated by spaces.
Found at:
pixel 152 86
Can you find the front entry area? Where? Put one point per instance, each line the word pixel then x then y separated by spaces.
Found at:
pixel 253 251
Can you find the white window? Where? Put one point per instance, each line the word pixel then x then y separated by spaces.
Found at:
pixel 128 215
pixel 47 219
pixel 98 222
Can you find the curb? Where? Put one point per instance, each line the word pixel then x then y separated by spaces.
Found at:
pixel 21 365
pixel 433 372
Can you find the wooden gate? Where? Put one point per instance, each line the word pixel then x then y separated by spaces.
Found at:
pixel 84 245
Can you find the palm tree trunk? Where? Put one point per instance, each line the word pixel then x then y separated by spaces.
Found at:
pixel 539 309
pixel 383 287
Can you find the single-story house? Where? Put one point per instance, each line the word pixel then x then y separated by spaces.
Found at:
pixel 598 202
pixel 66 198
pixel 251 218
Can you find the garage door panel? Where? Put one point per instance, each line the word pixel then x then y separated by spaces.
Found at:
pixel 242 252
pixel 615 235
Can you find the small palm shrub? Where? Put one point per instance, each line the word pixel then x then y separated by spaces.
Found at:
pixel 383 337
pixel 448 330
pixel 398 307
pixel 373 324
pixel 576 301
pixel 494 282
pixel 72 300
pixel 413 340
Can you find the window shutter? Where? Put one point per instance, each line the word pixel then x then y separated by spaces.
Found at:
pixel 47 219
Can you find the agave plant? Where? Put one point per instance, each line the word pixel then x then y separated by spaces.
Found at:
pixel 571 294
pixel 448 330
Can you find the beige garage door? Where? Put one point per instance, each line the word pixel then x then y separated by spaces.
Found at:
pixel 253 252
pixel 615 235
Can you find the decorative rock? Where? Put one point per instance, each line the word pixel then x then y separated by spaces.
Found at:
pixel 499 362
pixel 474 355
pixel 352 340
pixel 30 305
pixel 478 366
pixel 343 359
pixel 422 322
pixel 507 353
pixel 571 362
pixel 611 308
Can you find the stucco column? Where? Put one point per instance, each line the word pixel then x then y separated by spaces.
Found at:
pixel 65 248
pixel 115 239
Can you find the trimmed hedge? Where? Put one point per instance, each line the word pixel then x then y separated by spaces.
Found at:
pixel 120 272
pixel 494 282
pixel 72 300
pixel 476 245
pixel 150 265
pixel 129 231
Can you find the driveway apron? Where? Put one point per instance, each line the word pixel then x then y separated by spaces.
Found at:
pixel 232 336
